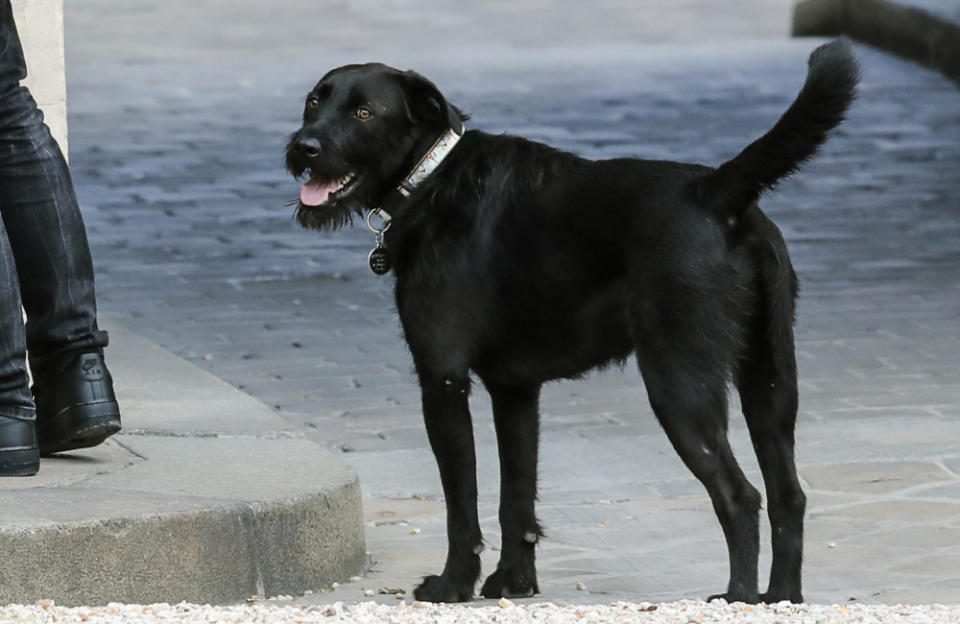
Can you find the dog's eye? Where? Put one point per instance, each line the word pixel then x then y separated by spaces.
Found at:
pixel 313 103
pixel 363 113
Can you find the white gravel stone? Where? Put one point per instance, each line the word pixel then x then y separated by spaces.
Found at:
pixel 687 612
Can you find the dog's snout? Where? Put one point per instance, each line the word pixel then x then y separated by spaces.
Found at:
pixel 309 147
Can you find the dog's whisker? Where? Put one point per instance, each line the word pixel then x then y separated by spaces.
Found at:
pixel 295 204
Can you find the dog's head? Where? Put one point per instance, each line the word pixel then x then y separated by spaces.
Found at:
pixel 364 128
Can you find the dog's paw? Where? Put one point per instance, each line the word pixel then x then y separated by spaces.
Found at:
pixel 438 589
pixel 773 597
pixel 513 582
pixel 735 597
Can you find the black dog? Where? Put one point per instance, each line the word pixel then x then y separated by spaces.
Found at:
pixel 522 264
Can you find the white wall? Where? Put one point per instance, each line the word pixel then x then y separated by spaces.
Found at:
pixel 40 24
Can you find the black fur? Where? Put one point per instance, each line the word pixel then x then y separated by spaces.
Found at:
pixel 520 264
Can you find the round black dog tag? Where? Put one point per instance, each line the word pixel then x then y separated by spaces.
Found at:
pixel 379 260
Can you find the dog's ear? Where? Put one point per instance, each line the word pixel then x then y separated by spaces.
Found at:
pixel 424 102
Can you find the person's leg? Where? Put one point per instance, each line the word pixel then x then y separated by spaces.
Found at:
pixel 18 443
pixel 73 391
pixel 47 236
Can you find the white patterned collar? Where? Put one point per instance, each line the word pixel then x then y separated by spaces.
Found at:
pixel 430 161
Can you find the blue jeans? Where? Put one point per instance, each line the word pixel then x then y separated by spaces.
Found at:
pixel 45 261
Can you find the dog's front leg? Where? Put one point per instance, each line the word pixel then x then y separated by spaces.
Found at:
pixel 447 417
pixel 518 430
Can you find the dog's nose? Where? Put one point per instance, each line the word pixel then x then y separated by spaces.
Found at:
pixel 309 147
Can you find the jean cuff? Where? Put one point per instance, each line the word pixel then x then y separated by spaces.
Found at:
pixel 25 414
pixel 46 364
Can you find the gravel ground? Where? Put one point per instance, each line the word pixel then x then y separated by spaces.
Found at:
pixel 506 612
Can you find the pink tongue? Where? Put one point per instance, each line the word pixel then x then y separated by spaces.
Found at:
pixel 314 192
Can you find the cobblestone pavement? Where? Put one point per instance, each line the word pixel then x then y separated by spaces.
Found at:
pixel 178 115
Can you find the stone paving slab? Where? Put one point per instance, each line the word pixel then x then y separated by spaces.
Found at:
pixel 207 497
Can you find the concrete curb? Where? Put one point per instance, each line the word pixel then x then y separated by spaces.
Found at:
pixel 907 31
pixel 205 496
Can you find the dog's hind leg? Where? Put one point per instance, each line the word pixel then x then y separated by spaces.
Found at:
pixel 767 381
pixel 768 392
pixel 687 389
pixel 446 414
pixel 515 413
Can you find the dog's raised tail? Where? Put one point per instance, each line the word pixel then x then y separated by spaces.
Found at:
pixel 819 107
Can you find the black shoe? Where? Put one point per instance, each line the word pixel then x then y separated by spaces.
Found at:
pixel 19 456
pixel 76 406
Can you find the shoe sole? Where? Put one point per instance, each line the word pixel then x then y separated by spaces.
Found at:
pixel 19 462
pixel 81 426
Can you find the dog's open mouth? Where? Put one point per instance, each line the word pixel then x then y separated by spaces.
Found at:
pixel 318 191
